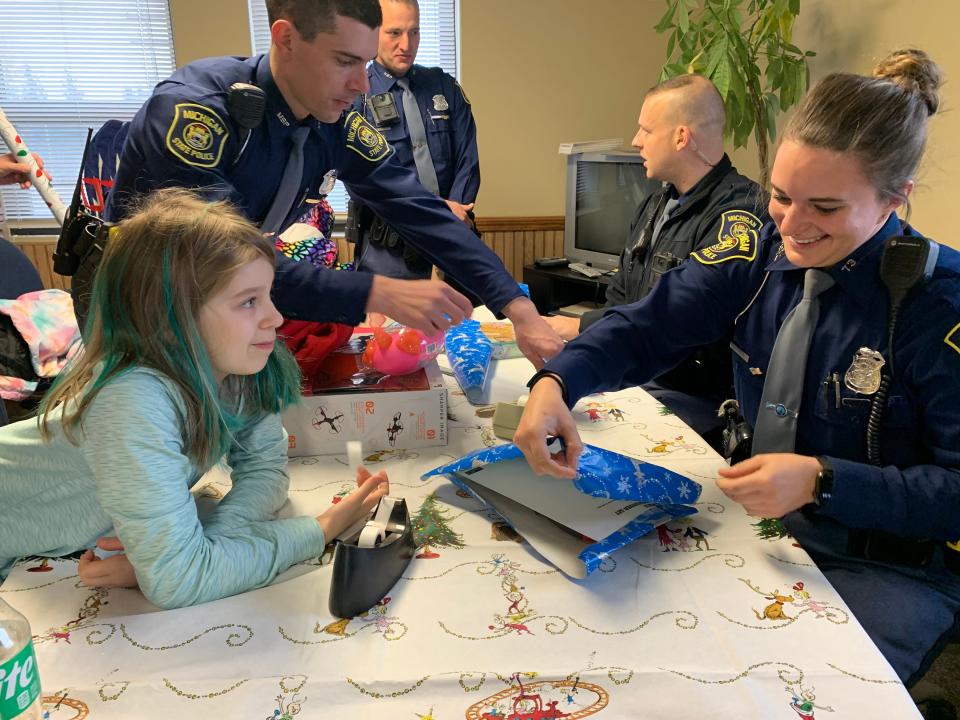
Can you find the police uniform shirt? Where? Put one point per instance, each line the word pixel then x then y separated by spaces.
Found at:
pixel 744 283
pixel 184 136
pixel 447 119
pixel 711 208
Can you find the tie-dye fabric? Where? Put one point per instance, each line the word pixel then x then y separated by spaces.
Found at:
pixel 46 320
pixel 310 238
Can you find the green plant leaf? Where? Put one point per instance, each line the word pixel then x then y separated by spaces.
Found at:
pixel 683 19
pixel 670 43
pixel 665 23
pixel 774 73
pixel 772 106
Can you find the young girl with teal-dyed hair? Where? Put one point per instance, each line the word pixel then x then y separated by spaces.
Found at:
pixel 181 369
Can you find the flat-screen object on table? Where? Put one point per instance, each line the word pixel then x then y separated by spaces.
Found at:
pixel 604 190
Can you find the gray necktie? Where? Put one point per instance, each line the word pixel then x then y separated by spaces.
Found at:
pixel 418 139
pixel 776 429
pixel 290 183
pixel 667 209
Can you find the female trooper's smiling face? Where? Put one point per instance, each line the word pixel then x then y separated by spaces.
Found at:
pixel 823 205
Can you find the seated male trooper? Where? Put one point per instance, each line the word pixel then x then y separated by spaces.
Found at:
pixel 703 200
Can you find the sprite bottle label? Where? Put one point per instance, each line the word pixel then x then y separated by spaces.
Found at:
pixel 19 683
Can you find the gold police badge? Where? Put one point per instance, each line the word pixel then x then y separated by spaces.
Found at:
pixel 737 239
pixel 197 135
pixel 863 375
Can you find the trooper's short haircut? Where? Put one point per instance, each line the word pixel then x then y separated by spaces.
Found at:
pixel 311 17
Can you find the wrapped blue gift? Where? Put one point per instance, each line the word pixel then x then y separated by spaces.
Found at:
pixel 469 351
pixel 576 524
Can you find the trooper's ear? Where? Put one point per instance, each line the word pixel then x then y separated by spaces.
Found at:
pixel 282 34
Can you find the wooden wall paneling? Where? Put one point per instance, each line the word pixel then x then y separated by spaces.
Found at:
pixel 517 241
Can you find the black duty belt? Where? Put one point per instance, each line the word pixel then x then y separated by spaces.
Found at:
pixel 883 547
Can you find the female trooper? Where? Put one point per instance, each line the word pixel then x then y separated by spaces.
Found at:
pixel 849 376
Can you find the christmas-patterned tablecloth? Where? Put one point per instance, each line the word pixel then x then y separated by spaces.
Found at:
pixel 718 615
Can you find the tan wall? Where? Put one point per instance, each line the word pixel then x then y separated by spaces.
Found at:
pixel 542 72
pixel 206 28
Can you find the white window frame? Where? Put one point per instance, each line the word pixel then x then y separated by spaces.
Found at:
pixel 89 63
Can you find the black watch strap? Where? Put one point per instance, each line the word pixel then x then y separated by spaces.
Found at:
pixel 823 489
pixel 559 380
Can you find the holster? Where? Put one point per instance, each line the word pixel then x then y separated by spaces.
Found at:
pixel 737 433
pixel 884 547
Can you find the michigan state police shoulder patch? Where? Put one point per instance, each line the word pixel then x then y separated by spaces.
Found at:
pixel 197 135
pixel 738 239
pixel 953 337
pixel 364 139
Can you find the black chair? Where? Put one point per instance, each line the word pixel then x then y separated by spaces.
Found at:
pixel 17 276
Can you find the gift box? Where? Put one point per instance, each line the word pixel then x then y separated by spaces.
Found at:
pixel 575 524
pixel 345 401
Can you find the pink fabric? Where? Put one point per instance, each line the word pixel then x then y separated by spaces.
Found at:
pixel 46 320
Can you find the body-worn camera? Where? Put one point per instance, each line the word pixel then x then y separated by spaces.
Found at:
pixel 384 109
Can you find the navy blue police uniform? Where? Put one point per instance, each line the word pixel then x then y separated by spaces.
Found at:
pixel 906 600
pixel 696 387
pixel 184 136
pixel 451 137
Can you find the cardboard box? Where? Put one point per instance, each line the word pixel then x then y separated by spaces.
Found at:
pixel 393 413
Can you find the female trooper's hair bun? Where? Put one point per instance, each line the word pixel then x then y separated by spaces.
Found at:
pixel 914 71
pixel 881 119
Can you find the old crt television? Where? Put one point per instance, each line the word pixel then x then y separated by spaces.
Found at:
pixel 604 190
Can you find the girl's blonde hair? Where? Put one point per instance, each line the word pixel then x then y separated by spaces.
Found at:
pixel 160 266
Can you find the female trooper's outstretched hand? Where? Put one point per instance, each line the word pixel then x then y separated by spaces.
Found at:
pixel 546 416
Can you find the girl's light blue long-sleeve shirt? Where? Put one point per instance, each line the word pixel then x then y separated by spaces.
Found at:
pixel 131 477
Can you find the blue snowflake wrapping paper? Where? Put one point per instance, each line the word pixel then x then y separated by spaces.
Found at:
pixel 469 352
pixel 604 474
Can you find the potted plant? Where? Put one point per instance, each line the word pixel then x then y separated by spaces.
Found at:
pixel 745 48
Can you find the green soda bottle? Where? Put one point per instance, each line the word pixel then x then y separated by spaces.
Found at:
pixel 19 679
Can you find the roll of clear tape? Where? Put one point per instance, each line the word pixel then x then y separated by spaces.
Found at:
pixel 382 528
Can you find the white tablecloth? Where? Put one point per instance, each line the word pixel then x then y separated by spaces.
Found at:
pixel 715 617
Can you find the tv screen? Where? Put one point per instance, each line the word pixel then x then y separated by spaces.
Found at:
pixel 606 191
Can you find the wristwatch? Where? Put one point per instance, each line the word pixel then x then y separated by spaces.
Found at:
pixel 559 380
pixel 823 487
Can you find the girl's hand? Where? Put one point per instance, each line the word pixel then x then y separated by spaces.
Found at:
pixel 114 571
pixel 771 485
pixel 355 506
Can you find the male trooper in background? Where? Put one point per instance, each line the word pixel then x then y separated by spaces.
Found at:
pixel 426 117
pixel 704 200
